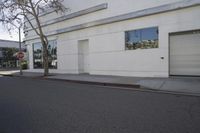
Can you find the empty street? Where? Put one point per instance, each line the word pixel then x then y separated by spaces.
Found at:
pixel 45 106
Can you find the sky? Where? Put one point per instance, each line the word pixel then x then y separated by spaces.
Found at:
pixel 6 36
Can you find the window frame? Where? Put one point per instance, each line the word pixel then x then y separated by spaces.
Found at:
pixel 125 32
pixel 55 42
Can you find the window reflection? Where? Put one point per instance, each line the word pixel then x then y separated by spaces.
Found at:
pixel 37 55
pixel 142 39
pixel 52 55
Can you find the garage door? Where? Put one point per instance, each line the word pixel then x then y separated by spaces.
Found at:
pixel 185 54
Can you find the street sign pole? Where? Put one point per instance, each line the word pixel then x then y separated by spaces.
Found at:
pixel 20 50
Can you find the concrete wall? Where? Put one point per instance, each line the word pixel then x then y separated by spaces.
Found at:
pixel 107 42
pixel 113 9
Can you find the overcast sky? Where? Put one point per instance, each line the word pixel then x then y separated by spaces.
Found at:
pixel 6 36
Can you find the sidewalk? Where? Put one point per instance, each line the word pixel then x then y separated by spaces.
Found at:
pixel 116 81
pixel 183 85
pixel 176 85
pixel 8 72
pixel 99 80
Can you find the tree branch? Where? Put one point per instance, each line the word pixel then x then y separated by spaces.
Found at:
pixel 37 3
pixel 35 29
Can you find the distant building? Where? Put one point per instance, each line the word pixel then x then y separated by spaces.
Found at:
pixel 145 38
pixel 8 50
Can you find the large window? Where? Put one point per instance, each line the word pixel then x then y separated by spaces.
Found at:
pixel 38 55
pixel 141 39
pixel 7 58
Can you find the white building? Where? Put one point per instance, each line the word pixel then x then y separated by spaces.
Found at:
pixel 150 38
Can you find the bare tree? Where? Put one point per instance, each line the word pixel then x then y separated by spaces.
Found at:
pixel 14 12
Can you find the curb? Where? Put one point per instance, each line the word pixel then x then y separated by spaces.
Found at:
pixel 130 87
pixel 97 83
pixel 170 92
pixel 84 82
pixel 31 77
pixel 7 75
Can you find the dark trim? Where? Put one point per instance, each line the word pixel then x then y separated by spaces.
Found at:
pixel 169 58
pixel 192 76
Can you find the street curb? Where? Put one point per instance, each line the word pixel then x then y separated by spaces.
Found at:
pixel 84 82
pixel 32 77
pixel 170 92
pixel 130 87
pixel 97 83
pixel 7 75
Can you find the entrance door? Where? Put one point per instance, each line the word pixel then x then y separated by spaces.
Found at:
pixel 83 56
pixel 185 54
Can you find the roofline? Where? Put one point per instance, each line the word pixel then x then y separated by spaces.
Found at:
pixel 2 40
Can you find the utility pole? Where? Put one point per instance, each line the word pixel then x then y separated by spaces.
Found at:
pixel 20 50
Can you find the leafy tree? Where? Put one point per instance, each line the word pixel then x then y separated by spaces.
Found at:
pixel 14 12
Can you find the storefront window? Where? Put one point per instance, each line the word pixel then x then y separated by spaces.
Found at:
pixel 52 55
pixel 141 39
pixel 7 58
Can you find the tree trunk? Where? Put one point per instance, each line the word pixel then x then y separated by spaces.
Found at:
pixel 45 59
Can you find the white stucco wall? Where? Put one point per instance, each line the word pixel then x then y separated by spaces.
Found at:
pixel 107 42
pixel 114 9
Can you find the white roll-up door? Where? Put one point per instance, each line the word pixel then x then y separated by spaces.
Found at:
pixel 185 54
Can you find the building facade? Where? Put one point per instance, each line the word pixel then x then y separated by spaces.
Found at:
pixel 124 37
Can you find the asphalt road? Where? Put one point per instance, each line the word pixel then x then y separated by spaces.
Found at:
pixel 41 106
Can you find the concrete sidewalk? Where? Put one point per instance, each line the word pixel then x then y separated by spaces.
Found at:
pixel 8 72
pixel 116 81
pixel 183 85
